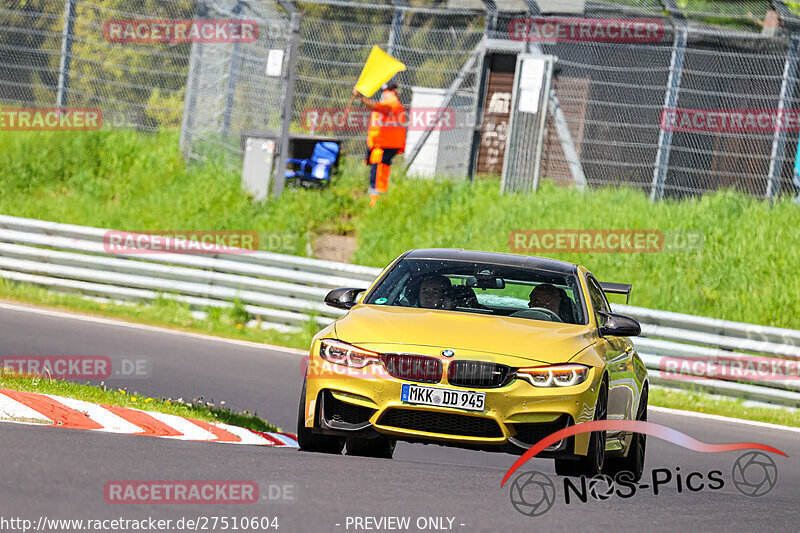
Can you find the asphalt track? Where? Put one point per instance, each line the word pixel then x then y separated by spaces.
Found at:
pixel 59 473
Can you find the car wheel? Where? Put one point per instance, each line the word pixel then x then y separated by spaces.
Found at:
pixel 310 441
pixel 592 463
pixel 381 447
pixel 634 461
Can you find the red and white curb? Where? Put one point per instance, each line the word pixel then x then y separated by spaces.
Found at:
pixel 57 411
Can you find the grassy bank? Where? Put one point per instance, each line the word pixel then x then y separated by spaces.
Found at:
pixel 746 269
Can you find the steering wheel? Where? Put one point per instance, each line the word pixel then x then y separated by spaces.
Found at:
pixel 551 316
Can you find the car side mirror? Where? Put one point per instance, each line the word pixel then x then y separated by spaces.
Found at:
pixel 615 325
pixel 343 298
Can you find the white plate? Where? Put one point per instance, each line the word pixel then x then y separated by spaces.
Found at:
pixel 459 399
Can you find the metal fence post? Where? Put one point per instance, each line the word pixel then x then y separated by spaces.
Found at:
pixel 233 73
pixel 779 139
pixel 288 99
pixel 67 36
pixel 190 93
pixel 670 101
pixel 796 173
pixel 396 30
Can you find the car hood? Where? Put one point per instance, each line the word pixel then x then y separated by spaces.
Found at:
pixel 538 341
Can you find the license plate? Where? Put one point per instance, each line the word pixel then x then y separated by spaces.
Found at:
pixel 460 399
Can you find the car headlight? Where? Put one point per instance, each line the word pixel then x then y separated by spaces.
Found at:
pixel 554 376
pixel 345 354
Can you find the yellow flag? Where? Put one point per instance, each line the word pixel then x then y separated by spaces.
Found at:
pixel 379 68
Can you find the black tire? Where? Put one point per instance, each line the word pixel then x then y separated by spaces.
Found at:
pixel 592 463
pixel 381 447
pixel 634 461
pixel 313 442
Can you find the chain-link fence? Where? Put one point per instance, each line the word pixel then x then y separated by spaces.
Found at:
pixel 620 105
pixel 614 97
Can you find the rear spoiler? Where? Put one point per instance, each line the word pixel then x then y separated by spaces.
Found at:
pixel 617 288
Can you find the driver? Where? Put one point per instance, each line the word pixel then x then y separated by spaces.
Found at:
pixel 433 293
pixel 547 296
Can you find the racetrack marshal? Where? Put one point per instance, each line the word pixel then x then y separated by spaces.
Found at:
pixel 386 137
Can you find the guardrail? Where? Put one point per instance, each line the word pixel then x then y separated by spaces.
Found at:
pixel 284 292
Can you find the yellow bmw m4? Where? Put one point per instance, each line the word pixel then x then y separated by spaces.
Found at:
pixel 478 350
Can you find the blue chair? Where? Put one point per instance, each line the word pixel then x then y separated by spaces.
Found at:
pixel 315 170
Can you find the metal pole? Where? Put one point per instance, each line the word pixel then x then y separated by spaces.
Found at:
pixel 288 99
pixel 233 73
pixel 396 30
pixel 190 94
pixel 796 173
pixel 67 37
pixel 779 139
pixel 489 23
pixel 670 101
pixel 544 99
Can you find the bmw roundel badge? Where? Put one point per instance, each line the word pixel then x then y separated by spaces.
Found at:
pixel 448 353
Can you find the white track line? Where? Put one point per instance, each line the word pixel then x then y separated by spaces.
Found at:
pixel 190 431
pixel 720 418
pixel 14 411
pixel 286 440
pixel 120 323
pixel 247 436
pixel 110 422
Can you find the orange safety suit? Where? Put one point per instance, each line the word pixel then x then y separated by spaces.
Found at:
pixel 386 137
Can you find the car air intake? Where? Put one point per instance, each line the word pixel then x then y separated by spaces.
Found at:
pixel 343 412
pixel 532 433
pixel 413 367
pixel 477 374
pixel 442 423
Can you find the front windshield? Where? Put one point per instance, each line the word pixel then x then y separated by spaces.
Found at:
pixel 481 288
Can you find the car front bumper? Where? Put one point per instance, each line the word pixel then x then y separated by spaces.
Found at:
pixel 367 402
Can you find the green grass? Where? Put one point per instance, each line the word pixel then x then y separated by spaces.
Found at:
pixel 196 408
pixel 717 405
pixel 746 270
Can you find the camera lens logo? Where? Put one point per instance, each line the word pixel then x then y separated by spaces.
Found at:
pixel 601 487
pixel 755 474
pixel 532 493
